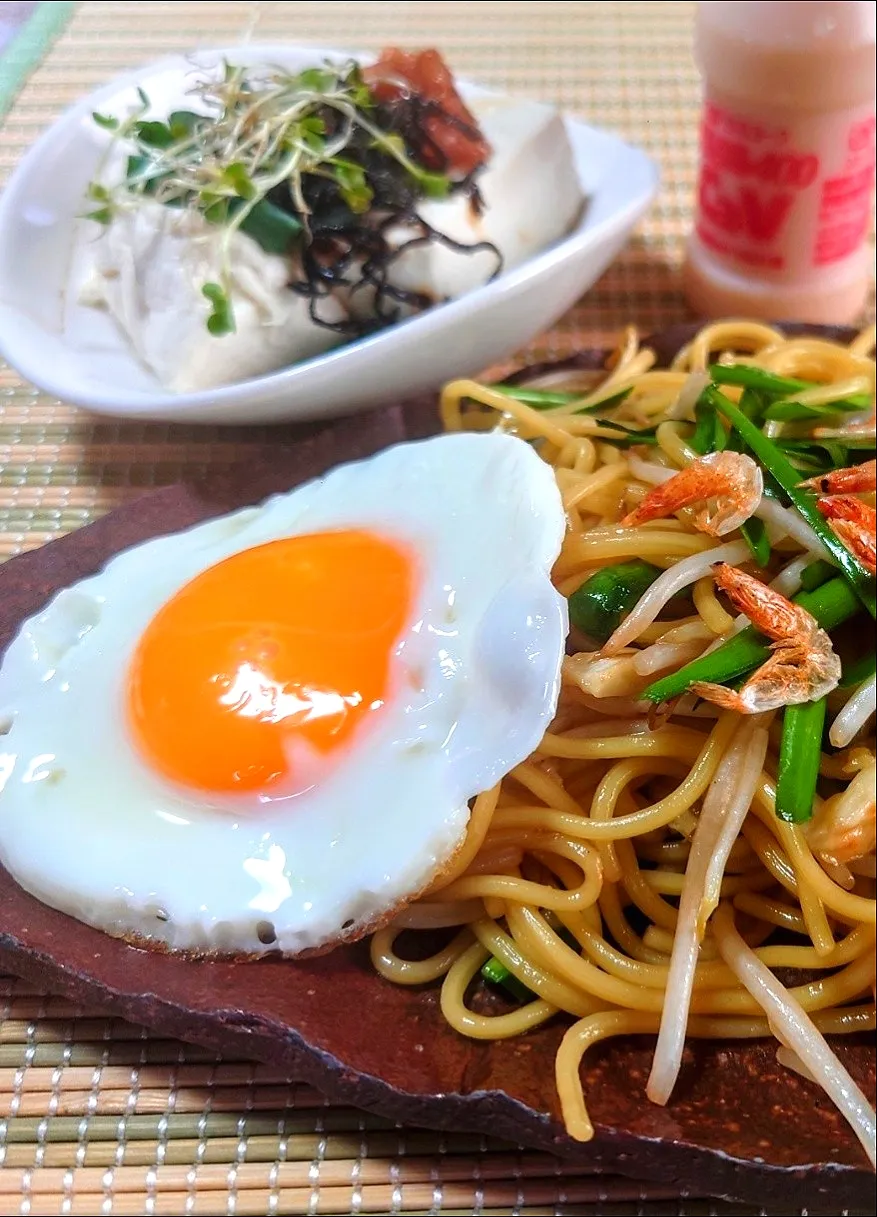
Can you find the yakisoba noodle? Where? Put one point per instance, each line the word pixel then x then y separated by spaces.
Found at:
pixel 592 870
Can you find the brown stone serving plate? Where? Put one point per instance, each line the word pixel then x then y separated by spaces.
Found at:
pixel 739 1126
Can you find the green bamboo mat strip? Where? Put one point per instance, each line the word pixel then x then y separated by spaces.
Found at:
pixel 102 1116
pixel 29 46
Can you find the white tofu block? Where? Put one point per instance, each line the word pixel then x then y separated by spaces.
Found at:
pixel 147 269
pixel 532 197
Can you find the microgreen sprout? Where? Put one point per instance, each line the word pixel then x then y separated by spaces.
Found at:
pixel 275 154
pixel 221 320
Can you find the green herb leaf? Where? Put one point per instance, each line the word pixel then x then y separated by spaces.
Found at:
pixel 607 403
pixel 221 318
pixel 798 766
pixel 720 436
pixel 777 464
pixel 776 386
pixel 539 399
pixel 815 574
pixel 317 80
pixel 754 533
pixel 361 97
pixel 702 438
pixel 136 168
pixel 271 227
pixel 235 175
pixel 153 134
pixel 627 435
pixel 392 143
pixel 216 210
pixel 811 462
pixel 755 378
pixel 355 190
pixel 496 973
pixel 183 123
pixel 435 185
pixel 836 454
pixel 598 607
pixel 97 192
pixel 312 124
pixel 140 174
pixel 312 132
pixel 751 404
pixel 107 121
pixel 547 399
pixel 360 93
pixel 832 603
pixel 816 454
pixel 796 411
pixel 103 215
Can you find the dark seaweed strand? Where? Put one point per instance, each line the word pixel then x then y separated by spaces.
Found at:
pixel 320 279
pixel 376 272
pixel 352 251
pixel 325 266
pixel 409 122
pixel 331 253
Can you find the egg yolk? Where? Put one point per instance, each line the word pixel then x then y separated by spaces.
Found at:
pixel 269 659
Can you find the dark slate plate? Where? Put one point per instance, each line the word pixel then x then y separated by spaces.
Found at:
pixel 738 1126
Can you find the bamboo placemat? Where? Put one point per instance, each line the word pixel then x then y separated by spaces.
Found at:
pixel 100 1116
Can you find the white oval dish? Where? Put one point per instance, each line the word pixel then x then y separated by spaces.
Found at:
pixel 39 212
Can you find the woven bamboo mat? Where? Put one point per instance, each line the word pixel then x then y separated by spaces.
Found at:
pixel 97 1115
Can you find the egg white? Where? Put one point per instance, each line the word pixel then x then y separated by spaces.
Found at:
pixel 90 829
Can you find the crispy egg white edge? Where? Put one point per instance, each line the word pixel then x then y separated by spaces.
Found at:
pixel 89 829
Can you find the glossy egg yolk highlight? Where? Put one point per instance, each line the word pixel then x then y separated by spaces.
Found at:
pixel 270 659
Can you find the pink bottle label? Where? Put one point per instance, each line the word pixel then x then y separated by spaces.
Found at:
pixel 785 199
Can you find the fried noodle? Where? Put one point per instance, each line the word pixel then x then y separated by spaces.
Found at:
pixel 632 874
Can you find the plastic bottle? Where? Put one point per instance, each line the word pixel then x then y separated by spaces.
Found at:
pixel 787 160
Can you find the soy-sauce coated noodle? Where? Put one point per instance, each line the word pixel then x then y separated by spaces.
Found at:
pixel 634 870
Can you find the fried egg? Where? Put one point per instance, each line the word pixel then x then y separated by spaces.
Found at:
pixel 263 733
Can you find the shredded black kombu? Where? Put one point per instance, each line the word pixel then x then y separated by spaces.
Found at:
pixel 354 251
